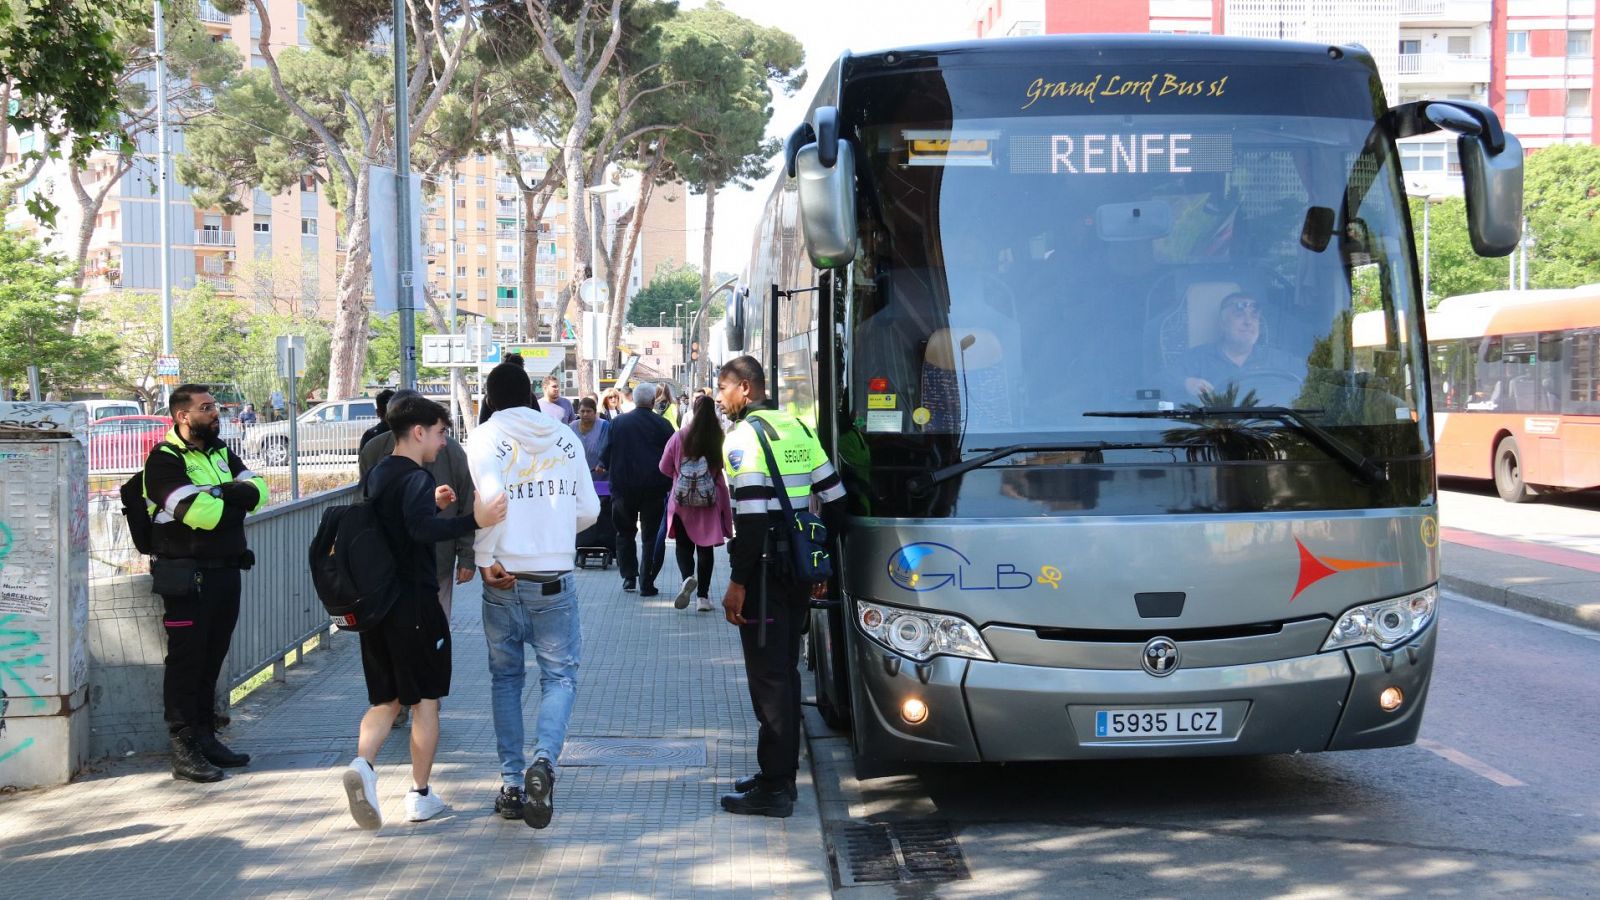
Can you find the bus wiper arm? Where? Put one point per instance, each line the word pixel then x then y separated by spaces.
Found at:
pixel 939 476
pixel 1364 467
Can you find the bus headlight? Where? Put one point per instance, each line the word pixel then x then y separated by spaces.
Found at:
pixel 1388 624
pixel 920 635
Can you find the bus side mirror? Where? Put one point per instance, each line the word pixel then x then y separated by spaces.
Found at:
pixel 736 319
pixel 825 167
pixel 1493 184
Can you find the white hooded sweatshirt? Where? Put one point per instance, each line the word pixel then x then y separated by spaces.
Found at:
pixel 539 463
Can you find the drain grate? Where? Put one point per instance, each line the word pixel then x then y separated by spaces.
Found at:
pixel 896 853
pixel 632 752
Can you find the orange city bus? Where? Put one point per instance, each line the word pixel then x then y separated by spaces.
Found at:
pixel 1516 388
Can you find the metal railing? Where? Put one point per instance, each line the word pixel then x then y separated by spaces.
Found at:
pixel 279 609
pixel 1441 63
pixel 1421 7
pixel 209 13
pixel 211 237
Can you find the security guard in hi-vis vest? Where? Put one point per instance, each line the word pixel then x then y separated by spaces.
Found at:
pixel 197 492
pixel 772 667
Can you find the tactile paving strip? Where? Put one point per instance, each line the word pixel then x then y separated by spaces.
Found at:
pixel 632 752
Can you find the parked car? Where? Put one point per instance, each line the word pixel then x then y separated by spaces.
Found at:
pixel 121 443
pixel 104 409
pixel 334 427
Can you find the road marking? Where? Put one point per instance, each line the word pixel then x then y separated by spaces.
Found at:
pixel 1475 766
pixel 1574 630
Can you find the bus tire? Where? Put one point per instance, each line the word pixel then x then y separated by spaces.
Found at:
pixel 827 661
pixel 1508 480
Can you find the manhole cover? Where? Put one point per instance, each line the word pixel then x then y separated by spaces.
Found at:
pixel 898 852
pixel 632 752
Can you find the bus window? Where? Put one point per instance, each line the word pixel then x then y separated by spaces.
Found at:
pixel 1519 354
pixel 1488 380
pixel 1551 376
pixel 1449 389
pixel 1583 372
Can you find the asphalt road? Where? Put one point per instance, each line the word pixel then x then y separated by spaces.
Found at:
pixel 1501 797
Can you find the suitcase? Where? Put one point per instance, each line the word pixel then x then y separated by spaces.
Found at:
pixel 597 544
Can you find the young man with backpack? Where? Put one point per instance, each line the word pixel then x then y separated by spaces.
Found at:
pixel 193 495
pixel 405 655
pixel 699 511
pixel 530 596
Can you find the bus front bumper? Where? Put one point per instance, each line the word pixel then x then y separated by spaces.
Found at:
pixel 1004 712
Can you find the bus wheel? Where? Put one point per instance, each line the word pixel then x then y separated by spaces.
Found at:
pixel 1508 473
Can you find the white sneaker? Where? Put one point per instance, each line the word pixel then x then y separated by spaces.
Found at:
pixel 361 787
pixel 422 807
pixel 704 605
pixel 682 600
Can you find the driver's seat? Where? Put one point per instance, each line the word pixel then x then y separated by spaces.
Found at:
pixel 1192 320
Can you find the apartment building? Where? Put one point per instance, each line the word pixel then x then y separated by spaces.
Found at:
pixel 1532 61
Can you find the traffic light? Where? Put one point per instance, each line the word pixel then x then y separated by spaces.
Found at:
pixel 694 351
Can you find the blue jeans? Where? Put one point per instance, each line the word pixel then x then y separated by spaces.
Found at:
pixel 549 624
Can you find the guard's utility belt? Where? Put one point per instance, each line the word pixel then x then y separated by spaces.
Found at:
pixel 245 560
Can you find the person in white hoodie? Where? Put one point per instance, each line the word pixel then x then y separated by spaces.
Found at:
pixel 529 595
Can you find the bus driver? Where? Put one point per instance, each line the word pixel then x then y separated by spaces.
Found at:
pixel 1238 357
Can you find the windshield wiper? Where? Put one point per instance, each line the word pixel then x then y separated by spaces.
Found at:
pixel 1364 467
pixel 920 483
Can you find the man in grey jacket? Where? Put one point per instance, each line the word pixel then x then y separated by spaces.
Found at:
pixel 453 561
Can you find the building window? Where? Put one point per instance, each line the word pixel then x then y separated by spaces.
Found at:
pixel 461 203
pixel 480 181
pixel 262 226
pixel 483 202
pixel 508 276
pixel 483 249
pixel 308 184
pixel 1516 103
pixel 460 247
pixel 1580 44
pixel 1431 156
pixel 483 225
pixel 1459 45
pixel 308 226
pixel 1516 43
pixel 461 271
pixel 483 271
pixel 1578 102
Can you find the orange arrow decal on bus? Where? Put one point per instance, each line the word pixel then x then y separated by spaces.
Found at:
pixel 1313 568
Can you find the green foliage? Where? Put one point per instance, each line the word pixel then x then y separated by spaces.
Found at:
pixel 61 60
pixel 209 337
pixel 37 321
pixel 662 295
pixel 1561 198
pixel 383 349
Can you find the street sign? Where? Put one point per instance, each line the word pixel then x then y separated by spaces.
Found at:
pixel 167 370
pixel 291 346
pixel 457 350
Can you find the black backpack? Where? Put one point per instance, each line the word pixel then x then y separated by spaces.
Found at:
pixel 140 527
pixel 353 566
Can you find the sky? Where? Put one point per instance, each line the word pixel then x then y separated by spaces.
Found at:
pixel 826 28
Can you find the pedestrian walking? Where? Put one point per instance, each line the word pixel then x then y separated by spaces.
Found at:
pixel 276 401
pixel 485 408
pixel 699 510
pixel 405 657
pixel 554 405
pixel 530 595
pixel 666 404
pixel 452 560
pixel 382 401
pixel 198 492
pixel 772 653
pixel 638 489
pixel 247 416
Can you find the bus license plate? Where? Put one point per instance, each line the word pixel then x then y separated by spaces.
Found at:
pixel 1114 723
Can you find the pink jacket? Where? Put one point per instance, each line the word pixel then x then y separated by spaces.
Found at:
pixel 707 526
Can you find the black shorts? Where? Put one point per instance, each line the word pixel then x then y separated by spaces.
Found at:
pixel 407 657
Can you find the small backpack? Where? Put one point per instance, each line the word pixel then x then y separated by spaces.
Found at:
pixel 694 486
pixel 353 566
pixel 135 509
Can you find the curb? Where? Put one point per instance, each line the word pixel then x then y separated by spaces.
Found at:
pixel 1531 604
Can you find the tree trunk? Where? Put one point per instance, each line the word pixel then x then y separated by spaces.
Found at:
pixel 526 291
pixel 619 290
pixel 705 281
pixel 348 353
pixel 577 200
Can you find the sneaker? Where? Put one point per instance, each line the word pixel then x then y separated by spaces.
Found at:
pixel 510 801
pixel 703 605
pixel 404 718
pixel 539 784
pixel 361 787
pixel 649 590
pixel 682 600
pixel 630 585
pixel 421 807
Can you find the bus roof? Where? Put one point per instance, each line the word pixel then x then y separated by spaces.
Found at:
pixel 1497 312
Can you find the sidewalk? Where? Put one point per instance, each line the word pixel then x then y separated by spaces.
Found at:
pixel 1554 583
pixel 662 727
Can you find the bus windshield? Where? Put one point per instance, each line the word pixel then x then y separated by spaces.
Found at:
pixel 1030 258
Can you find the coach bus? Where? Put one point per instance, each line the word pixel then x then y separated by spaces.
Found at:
pixel 1074 316
pixel 1516 388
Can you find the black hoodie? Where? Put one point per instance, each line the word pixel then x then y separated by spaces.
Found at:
pixel 403 493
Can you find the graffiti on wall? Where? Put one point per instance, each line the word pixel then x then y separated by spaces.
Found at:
pixel 17 654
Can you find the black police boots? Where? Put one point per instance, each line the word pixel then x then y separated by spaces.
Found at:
pixel 760 800
pixel 219 754
pixel 744 785
pixel 189 761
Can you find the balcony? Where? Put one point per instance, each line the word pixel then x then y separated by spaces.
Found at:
pixel 222 285
pixel 211 237
pixel 212 15
pixel 1443 68
pixel 506 234
pixel 1446 12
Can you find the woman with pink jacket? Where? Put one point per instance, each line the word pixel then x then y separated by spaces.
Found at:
pixel 699 508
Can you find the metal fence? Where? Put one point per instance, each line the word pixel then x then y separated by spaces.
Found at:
pixel 279 608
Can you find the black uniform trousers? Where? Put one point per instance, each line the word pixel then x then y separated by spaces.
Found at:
pixel 199 628
pixel 773 673
pixel 638 512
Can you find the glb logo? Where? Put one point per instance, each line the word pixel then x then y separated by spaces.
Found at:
pixel 927 566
